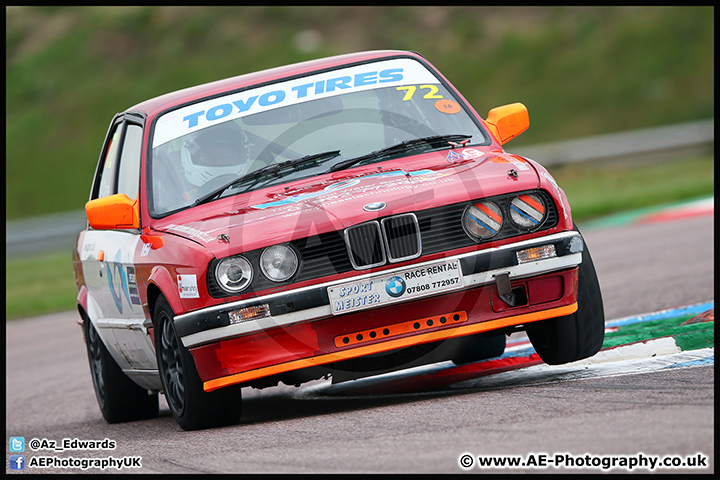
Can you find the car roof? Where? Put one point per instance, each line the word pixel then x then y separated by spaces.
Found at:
pixel 159 104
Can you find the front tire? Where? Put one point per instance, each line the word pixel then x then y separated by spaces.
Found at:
pixel 576 336
pixel 192 407
pixel 119 398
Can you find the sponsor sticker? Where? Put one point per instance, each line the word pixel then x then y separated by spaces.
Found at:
pixel 187 286
pixel 134 295
pixel 192 232
pixel 453 156
pixel 447 106
pixel 464 154
pixel 335 82
pixel 385 289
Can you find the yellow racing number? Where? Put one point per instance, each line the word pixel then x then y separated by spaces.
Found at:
pixel 410 91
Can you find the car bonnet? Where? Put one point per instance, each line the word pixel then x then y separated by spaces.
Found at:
pixel 335 201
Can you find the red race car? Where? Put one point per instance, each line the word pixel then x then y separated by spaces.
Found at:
pixel 341 218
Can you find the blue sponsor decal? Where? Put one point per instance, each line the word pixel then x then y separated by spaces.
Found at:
pixel 304 91
pixel 453 156
pixel 115 270
pixel 347 80
pixel 110 269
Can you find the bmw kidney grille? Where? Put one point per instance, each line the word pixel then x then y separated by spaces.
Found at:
pixel 368 242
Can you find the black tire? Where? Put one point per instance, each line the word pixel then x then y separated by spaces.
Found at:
pixel 191 406
pixel 577 336
pixel 119 398
pixel 474 348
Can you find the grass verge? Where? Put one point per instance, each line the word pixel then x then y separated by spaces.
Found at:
pixel 595 190
pixel 39 284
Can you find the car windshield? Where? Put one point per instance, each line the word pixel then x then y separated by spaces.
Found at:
pixel 350 114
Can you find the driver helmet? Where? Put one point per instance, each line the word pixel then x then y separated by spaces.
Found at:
pixel 214 152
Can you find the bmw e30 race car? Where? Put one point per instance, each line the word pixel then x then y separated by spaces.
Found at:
pixel 341 218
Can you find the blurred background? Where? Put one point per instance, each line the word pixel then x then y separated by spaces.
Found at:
pixel 581 71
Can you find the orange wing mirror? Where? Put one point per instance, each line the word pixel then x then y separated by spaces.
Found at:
pixel 113 212
pixel 508 121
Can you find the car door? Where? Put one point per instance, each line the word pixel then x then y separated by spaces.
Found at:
pixel 108 256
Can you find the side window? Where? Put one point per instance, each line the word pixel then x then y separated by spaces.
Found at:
pixel 120 169
pixel 129 173
pixel 109 168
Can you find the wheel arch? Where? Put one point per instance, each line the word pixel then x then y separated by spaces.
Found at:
pixel 82 305
pixel 160 282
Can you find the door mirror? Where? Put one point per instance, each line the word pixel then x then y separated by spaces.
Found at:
pixel 113 212
pixel 508 121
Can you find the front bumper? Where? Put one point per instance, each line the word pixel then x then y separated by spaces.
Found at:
pixel 312 303
pixel 302 331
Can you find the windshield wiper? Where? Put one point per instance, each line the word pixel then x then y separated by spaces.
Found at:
pixel 273 169
pixel 400 147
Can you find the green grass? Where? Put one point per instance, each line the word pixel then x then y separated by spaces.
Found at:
pixel 45 283
pixel 598 189
pixel 39 284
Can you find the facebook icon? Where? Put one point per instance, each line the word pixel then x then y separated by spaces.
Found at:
pixel 17 462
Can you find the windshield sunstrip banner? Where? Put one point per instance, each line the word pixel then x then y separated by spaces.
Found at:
pixel 195 117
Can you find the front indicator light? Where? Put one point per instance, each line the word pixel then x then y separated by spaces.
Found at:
pixel 249 313
pixel 536 253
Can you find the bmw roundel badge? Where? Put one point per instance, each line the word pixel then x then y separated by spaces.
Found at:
pixel 374 207
pixel 395 286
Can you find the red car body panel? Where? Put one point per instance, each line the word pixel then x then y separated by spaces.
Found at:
pixel 336 201
pixel 194 237
pixel 309 344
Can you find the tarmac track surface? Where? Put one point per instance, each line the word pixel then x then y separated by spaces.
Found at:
pixel 642 268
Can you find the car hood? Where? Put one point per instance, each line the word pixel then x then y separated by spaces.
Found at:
pixel 335 201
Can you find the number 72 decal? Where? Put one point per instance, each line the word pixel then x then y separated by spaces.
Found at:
pixel 432 91
pixel 441 104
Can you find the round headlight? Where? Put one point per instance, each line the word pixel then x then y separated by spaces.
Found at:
pixel 234 274
pixel 527 211
pixel 278 263
pixel 482 220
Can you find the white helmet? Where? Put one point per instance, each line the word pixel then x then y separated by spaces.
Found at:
pixel 213 152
